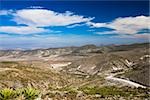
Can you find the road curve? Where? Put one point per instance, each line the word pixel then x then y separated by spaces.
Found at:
pixel 128 82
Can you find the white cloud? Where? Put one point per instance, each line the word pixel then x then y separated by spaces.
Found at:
pixel 43 17
pixel 146 36
pixel 75 25
pixel 5 12
pixel 22 30
pixel 91 30
pixel 96 25
pixel 36 17
pixel 127 25
pixel 143 36
pixel 36 7
pixel 130 25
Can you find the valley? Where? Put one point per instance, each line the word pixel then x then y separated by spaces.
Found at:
pixel 114 72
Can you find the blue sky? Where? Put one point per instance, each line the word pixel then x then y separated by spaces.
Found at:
pixel 44 24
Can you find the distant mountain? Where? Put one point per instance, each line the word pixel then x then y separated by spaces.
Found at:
pixel 37 52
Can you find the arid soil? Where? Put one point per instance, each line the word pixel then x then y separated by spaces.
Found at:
pixel 80 73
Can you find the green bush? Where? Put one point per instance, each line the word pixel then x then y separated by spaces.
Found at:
pixel 26 93
pixel 30 93
pixel 7 94
pixel 104 91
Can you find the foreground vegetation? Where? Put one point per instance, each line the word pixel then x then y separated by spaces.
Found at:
pixel 19 94
pixel 70 93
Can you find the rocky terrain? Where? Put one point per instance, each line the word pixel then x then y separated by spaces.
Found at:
pixel 115 72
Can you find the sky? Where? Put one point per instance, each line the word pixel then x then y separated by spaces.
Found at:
pixel 32 24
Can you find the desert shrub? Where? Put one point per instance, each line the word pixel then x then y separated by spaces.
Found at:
pixel 30 93
pixel 116 91
pixel 27 93
pixel 68 89
pixel 7 94
pixel 104 91
pixel 9 62
pixel 71 91
pixel 19 91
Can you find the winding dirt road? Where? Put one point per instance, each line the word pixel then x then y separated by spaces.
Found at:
pixel 126 82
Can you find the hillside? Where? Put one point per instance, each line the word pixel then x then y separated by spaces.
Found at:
pixel 79 73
